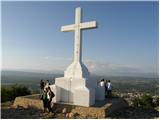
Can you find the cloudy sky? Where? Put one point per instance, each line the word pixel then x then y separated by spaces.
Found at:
pixel 125 42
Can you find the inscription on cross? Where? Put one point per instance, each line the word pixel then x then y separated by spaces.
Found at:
pixel 77 27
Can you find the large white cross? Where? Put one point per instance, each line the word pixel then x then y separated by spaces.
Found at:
pixel 77 28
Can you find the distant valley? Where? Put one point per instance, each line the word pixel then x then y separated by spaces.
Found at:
pixel 120 83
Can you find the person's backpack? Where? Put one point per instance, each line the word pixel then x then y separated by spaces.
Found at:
pixel 44 96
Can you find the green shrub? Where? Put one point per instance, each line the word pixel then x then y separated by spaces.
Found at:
pixel 9 93
pixel 145 101
pixel 156 101
pixel 5 94
pixel 136 102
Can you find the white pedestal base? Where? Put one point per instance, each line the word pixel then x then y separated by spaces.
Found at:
pixel 73 91
pixel 84 96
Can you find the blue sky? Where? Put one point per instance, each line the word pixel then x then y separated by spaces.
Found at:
pixel 125 42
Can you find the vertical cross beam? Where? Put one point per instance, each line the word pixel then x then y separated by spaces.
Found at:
pixel 78 39
pixel 77 27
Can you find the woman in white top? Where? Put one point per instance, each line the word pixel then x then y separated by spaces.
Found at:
pixel 101 83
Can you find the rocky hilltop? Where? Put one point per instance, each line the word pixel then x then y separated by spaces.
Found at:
pixel 129 113
pixel 8 112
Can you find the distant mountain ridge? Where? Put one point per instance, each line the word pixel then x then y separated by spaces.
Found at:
pixel 50 75
pixel 21 77
pixel 60 72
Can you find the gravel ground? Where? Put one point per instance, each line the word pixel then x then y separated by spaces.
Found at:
pixel 8 112
pixel 135 113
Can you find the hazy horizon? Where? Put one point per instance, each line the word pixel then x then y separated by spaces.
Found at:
pixel 150 75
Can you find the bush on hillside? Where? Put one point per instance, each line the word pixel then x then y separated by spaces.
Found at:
pixel 145 101
pixel 9 93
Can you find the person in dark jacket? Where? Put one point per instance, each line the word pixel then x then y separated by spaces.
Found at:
pixel 45 99
pixel 41 86
pixel 51 96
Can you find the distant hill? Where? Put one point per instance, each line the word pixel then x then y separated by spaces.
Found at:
pixel 25 77
pixel 29 79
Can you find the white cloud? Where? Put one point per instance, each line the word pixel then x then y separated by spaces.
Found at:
pixel 47 57
pixel 54 64
pixel 56 58
pixel 108 68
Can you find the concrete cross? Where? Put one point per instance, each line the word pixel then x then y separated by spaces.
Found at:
pixel 77 27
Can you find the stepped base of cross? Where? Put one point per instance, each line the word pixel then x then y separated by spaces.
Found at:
pixel 79 90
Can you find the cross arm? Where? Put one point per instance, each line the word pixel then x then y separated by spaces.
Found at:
pixel 88 25
pixel 67 28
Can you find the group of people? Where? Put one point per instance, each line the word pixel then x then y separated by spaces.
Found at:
pixel 108 87
pixel 46 95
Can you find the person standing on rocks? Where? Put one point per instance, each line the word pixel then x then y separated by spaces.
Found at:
pixel 106 87
pixel 51 96
pixel 109 88
pixel 41 86
pixel 45 99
